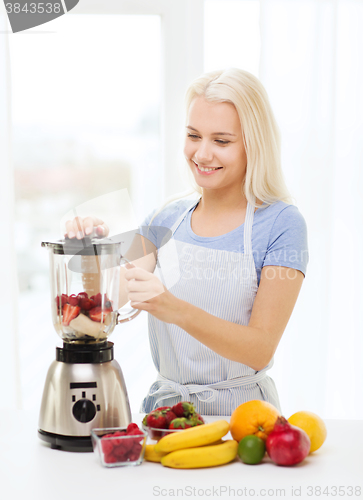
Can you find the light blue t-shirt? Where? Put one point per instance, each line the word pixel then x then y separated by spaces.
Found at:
pixel 279 234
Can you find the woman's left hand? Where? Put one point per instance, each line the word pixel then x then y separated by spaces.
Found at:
pixel 147 293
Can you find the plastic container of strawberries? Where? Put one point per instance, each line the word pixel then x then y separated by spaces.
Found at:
pixel 116 448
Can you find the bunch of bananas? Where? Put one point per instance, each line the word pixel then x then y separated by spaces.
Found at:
pixel 200 446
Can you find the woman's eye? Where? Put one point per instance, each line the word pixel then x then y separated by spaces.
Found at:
pixel 222 142
pixel 192 136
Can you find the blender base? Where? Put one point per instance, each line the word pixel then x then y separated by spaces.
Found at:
pixel 84 389
pixel 66 443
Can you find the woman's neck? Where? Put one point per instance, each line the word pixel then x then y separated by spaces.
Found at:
pixel 218 203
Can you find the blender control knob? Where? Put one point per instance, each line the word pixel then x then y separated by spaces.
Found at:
pixel 84 410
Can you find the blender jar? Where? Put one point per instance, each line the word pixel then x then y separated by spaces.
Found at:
pixel 85 284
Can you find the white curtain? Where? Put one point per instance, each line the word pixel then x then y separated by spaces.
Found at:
pixel 312 67
pixel 9 365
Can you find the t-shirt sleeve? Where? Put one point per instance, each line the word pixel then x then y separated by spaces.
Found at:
pixel 156 226
pixel 150 232
pixel 288 241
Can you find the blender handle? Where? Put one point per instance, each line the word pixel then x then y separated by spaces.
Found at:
pixel 132 313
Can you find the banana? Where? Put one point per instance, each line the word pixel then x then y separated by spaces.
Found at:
pixel 220 441
pixel 203 456
pixel 193 437
pixel 151 455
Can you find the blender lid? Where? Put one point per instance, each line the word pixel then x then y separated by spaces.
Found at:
pixel 85 246
pixel 112 244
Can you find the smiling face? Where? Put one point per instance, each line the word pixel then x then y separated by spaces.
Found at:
pixel 214 147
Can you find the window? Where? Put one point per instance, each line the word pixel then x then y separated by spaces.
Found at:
pixel 86 104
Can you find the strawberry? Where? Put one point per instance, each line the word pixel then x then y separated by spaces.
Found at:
pixel 98 314
pixel 116 434
pixel 131 427
pixel 161 408
pixel 183 409
pixel 138 433
pixel 60 301
pixel 69 313
pixel 180 423
pixel 166 412
pixel 137 447
pixel 119 433
pixel 134 454
pixel 137 439
pixel 97 299
pixel 199 417
pixel 86 304
pixel 73 300
pixel 128 444
pixel 169 416
pixel 106 445
pixel 156 419
pixel 109 458
pixel 121 449
pixel 196 419
pixel 120 453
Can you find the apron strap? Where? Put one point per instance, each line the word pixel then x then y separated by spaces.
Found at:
pixel 165 388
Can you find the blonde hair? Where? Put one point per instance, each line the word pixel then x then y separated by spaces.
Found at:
pixel 264 178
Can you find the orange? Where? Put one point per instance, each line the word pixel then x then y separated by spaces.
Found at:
pixel 313 425
pixel 254 417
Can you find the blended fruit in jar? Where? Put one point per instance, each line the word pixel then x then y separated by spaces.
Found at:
pixel 84 316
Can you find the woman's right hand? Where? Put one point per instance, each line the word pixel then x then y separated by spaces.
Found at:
pixel 80 227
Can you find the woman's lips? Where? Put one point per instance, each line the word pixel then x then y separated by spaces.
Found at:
pixel 210 172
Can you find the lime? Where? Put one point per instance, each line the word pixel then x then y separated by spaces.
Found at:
pixel 251 449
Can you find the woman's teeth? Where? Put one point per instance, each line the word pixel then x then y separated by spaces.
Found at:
pixel 206 169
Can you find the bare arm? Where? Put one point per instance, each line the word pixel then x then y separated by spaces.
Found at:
pixel 253 345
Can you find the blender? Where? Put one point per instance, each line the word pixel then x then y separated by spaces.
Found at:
pixel 84 387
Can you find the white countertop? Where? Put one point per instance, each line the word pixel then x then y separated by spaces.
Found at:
pixel 30 469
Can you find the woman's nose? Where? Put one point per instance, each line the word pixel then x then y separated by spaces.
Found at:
pixel 204 152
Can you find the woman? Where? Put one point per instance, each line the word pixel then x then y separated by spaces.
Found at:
pixel 227 282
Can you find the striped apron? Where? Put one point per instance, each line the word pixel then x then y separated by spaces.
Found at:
pixel 223 284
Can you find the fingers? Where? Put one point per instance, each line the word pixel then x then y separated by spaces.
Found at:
pixel 80 227
pixel 141 285
pixel 69 229
pixel 136 297
pixel 101 228
pixel 137 286
pixel 137 273
pixel 88 225
pixel 75 228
